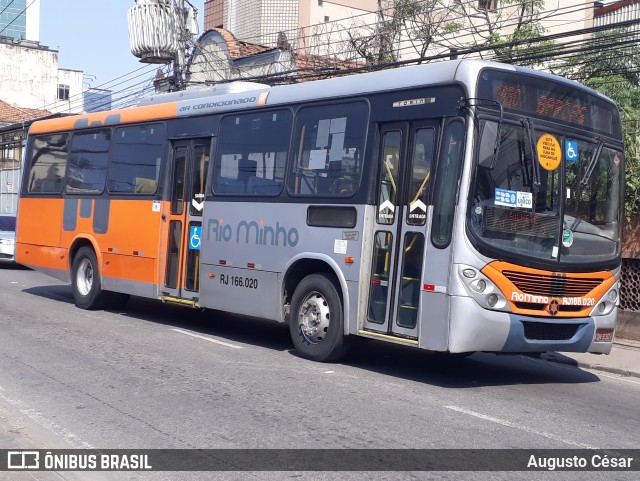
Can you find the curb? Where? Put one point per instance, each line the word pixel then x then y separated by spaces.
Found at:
pixel 594 366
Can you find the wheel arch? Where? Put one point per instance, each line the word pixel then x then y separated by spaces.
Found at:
pixel 83 240
pixel 305 264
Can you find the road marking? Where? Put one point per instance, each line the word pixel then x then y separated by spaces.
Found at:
pixel 520 427
pixel 37 417
pixel 207 338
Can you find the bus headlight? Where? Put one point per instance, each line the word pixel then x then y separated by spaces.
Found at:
pixel 608 302
pixel 479 286
pixel 482 289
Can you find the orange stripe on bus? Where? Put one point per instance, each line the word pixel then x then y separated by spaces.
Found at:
pixel 137 114
pixel 593 285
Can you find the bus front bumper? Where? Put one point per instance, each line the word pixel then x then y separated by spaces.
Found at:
pixel 474 328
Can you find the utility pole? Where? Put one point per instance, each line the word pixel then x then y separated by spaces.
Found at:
pixel 179 61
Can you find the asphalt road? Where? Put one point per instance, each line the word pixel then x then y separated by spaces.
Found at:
pixel 157 376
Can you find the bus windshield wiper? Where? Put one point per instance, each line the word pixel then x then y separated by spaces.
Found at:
pixel 535 164
pixel 595 157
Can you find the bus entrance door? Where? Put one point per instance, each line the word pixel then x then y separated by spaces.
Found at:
pixel 183 220
pixel 406 156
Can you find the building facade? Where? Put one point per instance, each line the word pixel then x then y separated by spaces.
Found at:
pixel 270 22
pixel 30 78
pixel 20 19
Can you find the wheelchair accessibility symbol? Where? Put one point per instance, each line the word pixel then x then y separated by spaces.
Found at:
pixel 195 235
pixel 571 150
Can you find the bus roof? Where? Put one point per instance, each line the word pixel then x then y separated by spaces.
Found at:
pixel 464 71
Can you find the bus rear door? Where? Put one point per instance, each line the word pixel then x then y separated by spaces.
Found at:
pixel 183 221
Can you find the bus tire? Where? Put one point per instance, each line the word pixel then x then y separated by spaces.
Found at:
pixel 85 280
pixel 316 320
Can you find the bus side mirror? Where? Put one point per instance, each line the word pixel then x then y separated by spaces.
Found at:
pixel 489 145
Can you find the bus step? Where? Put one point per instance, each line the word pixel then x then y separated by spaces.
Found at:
pixel 388 337
pixel 177 300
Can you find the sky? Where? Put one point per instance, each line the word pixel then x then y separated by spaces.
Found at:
pixel 93 36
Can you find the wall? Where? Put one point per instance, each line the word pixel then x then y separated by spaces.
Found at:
pixel 29 77
pixel 9 188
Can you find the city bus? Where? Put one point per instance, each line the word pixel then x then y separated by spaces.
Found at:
pixel 457 207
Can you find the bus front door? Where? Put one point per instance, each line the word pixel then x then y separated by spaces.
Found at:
pixel 183 220
pixel 406 155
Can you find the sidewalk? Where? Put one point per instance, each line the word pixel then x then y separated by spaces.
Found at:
pixel 624 359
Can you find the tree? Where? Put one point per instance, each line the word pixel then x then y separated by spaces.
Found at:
pixel 508 31
pixel 420 30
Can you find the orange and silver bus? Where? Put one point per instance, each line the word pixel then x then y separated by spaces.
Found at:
pixel 458 207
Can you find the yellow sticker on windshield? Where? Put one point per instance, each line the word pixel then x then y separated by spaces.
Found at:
pixel 549 152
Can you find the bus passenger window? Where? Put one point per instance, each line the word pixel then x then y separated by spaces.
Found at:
pixel 328 149
pixel 48 164
pixel 88 162
pixel 251 154
pixel 136 158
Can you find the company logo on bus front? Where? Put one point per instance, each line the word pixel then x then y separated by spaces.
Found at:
pixel 553 308
pixel 253 232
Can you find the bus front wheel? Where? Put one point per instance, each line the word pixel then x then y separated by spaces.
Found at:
pixel 316 320
pixel 86 282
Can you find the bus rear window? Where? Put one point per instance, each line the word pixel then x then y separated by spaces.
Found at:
pixel 48 164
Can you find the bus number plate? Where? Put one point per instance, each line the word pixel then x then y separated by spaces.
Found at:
pixel 239 281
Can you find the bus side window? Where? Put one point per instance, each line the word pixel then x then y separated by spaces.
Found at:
pixel 329 141
pixel 448 174
pixel 48 164
pixel 88 162
pixel 251 153
pixel 135 160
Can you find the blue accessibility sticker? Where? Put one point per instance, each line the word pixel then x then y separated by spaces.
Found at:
pixel 505 197
pixel 195 236
pixel 571 150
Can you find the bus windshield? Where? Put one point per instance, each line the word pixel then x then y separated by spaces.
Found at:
pixel 545 195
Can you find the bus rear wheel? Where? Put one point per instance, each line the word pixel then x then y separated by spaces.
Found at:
pixel 85 280
pixel 316 320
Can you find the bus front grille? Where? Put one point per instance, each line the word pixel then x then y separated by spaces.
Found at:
pixel 543 331
pixel 552 286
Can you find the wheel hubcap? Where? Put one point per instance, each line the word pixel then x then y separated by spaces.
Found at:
pixel 314 317
pixel 84 279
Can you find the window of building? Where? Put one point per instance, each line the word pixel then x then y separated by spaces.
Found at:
pixel 328 149
pixel 63 92
pixel 88 157
pixel 136 157
pixel 48 164
pixel 252 153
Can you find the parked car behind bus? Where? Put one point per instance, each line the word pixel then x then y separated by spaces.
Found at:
pixel 7 237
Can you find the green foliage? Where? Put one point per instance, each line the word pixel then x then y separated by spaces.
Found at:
pixel 523 45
